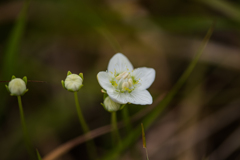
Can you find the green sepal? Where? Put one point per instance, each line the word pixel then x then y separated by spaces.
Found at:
pixel 25 92
pixel 13 77
pixel 103 91
pixel 80 87
pixel 25 79
pixel 69 73
pixel 122 106
pixel 63 84
pixel 105 96
pixel 7 88
pixel 71 90
pixel 103 105
pixel 81 75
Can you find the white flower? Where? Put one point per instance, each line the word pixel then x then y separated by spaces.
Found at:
pixel 73 82
pixel 17 87
pixel 125 84
pixel 110 105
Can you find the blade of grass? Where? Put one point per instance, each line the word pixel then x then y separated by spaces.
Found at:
pixel 14 42
pixel 223 6
pixel 38 155
pixel 148 121
pixel 10 57
pixel 180 82
pixel 143 137
pixel 144 141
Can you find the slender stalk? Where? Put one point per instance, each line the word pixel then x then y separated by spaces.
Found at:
pixel 115 133
pixel 24 129
pixel 126 119
pixel 80 115
pixel 91 148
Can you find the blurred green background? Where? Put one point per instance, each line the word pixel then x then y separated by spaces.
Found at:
pixel 50 37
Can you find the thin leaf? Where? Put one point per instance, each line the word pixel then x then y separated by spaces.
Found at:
pixel 144 141
pixel 143 137
pixel 10 57
pixel 38 155
pixel 14 42
pixel 225 7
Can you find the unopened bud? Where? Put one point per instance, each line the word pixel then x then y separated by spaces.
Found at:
pixel 73 82
pixel 110 105
pixel 17 87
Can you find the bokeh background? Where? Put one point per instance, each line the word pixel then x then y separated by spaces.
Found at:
pixel 50 37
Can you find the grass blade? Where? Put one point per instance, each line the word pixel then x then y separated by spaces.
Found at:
pixel 144 141
pixel 224 7
pixel 14 42
pixel 10 57
pixel 38 155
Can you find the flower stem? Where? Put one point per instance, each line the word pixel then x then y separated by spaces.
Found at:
pixel 115 133
pixel 80 115
pixel 24 129
pixel 90 144
pixel 126 119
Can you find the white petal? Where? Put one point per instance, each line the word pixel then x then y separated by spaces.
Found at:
pixel 104 80
pixel 142 97
pixel 119 63
pixel 145 76
pixel 118 97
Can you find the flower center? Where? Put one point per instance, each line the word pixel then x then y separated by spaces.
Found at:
pixel 124 82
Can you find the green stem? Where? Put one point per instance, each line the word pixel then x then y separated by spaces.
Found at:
pixel 24 129
pixel 91 148
pixel 80 115
pixel 126 119
pixel 115 133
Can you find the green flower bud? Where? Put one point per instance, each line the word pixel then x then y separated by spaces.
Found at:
pixel 73 82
